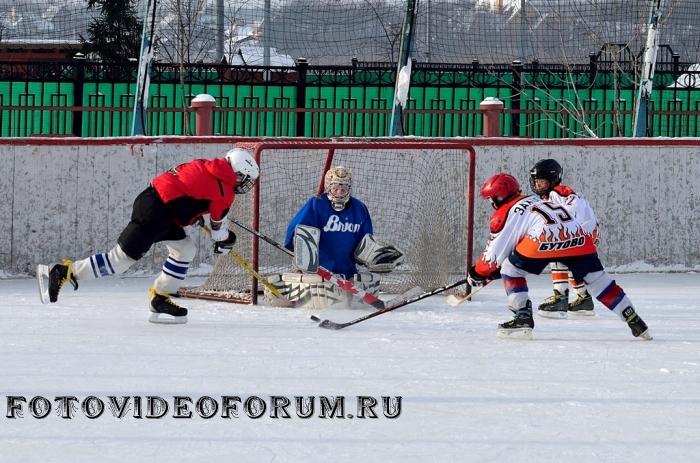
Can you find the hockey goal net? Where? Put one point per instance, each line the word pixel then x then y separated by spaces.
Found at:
pixel 420 195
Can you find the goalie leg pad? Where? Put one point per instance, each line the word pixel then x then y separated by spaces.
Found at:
pixel 304 291
pixel 377 255
pixel 367 281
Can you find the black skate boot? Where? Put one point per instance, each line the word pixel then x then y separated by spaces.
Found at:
pixel 520 327
pixel 52 277
pixel 555 306
pixel 583 305
pixel 164 310
pixel 636 324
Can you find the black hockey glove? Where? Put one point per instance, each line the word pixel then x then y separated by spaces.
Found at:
pixel 475 279
pixel 226 245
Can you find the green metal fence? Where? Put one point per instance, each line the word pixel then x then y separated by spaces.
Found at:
pixel 542 101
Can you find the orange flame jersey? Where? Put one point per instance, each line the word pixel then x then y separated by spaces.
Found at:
pixel 535 228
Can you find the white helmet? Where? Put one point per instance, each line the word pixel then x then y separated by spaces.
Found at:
pixel 337 184
pixel 247 170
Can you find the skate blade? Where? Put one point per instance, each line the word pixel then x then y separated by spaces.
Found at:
pixel 646 336
pixel 42 279
pixel 559 314
pixel 165 319
pixel 518 333
pixel 581 313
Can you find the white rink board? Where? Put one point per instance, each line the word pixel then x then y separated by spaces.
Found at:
pixel 72 198
pixel 646 198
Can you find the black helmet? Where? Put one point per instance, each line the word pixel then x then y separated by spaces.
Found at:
pixel 547 169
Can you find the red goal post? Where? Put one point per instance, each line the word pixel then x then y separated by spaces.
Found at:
pixel 420 194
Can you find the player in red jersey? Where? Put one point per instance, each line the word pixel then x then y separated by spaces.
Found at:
pixel 526 235
pixel 174 199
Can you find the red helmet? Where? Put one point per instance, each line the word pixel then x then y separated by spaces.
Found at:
pixel 499 189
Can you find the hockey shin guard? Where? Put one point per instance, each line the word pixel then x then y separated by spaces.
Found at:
pixel 101 265
pixel 579 287
pixel 515 285
pixel 604 288
pixel 174 271
pixel 560 276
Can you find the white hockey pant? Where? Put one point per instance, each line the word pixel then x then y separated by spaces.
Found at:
pixel 105 264
pixel 180 256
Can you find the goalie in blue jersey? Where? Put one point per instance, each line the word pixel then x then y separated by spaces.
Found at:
pixel 344 237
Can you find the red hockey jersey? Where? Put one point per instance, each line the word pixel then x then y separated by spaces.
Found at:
pixel 198 187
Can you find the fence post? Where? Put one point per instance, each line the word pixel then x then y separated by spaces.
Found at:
pixel 78 84
pixel 203 106
pixel 592 66
pixel 676 65
pixel 515 98
pixel 491 108
pixel 302 67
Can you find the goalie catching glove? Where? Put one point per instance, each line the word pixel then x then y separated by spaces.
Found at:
pixel 377 255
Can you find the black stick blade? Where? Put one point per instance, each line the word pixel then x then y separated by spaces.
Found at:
pixel 329 325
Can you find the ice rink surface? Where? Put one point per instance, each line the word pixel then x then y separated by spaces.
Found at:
pixel 582 390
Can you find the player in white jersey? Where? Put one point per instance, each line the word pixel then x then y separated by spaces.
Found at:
pixel 545 181
pixel 526 235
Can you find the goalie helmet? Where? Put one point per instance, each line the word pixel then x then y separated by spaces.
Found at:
pixel 247 170
pixel 546 169
pixel 337 185
pixel 499 189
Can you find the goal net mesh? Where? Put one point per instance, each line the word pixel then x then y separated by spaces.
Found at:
pixel 417 199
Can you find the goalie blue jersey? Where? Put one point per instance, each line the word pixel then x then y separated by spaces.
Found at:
pixel 341 232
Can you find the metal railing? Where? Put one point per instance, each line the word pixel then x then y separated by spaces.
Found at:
pixel 88 99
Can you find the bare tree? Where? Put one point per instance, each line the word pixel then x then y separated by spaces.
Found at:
pixel 234 22
pixel 553 35
pixel 182 35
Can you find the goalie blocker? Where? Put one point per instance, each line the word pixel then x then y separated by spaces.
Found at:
pixel 306 239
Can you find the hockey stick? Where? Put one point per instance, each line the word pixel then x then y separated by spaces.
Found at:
pixel 403 297
pixel 345 285
pixel 339 326
pixel 455 300
pixel 249 268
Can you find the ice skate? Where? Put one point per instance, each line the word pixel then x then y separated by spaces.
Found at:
pixel 520 327
pixel 555 306
pixel 52 277
pixel 636 324
pixel 582 306
pixel 164 310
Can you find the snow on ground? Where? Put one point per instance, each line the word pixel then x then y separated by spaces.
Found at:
pixel 582 391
